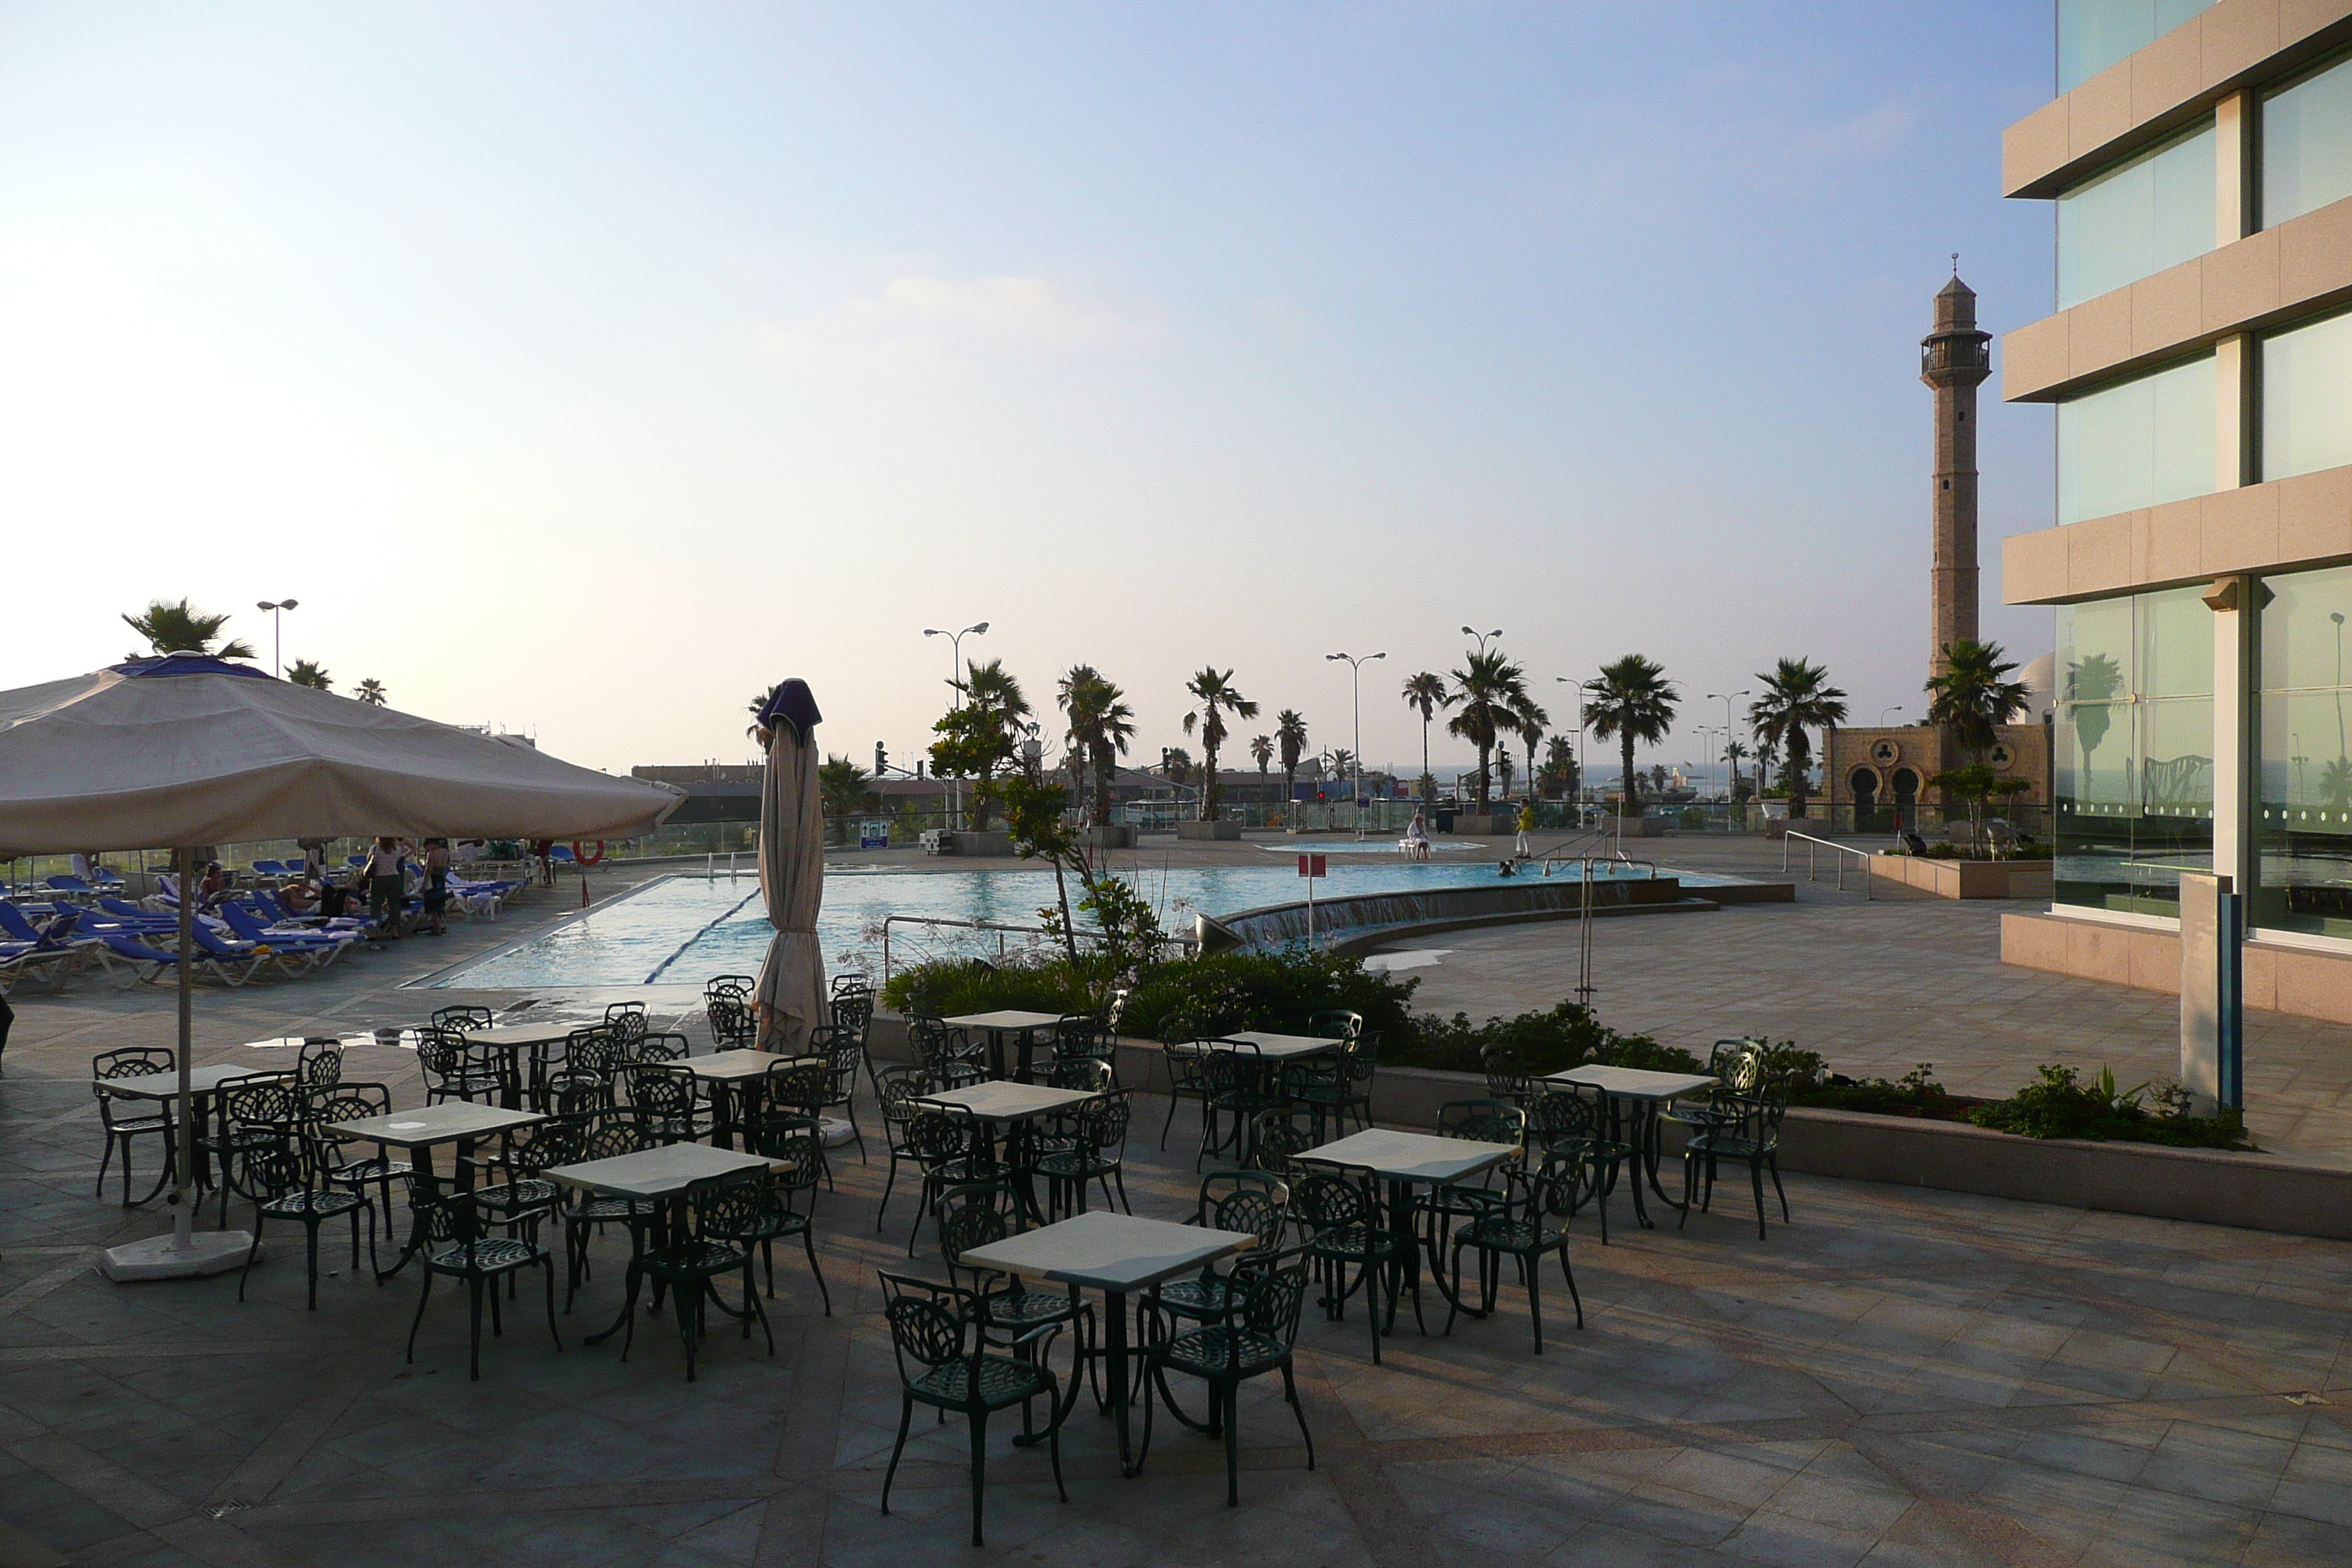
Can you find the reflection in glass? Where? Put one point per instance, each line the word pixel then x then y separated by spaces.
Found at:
pixel 2138 443
pixel 2134 761
pixel 2137 218
pixel 2095 34
pixel 2307 398
pixel 2307 145
pixel 2303 818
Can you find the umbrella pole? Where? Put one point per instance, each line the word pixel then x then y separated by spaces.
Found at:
pixel 182 1254
pixel 184 1220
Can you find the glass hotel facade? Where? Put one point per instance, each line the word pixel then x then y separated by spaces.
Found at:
pixel 2198 155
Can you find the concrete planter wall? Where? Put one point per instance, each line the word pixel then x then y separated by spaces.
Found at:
pixel 2255 1192
pixel 1216 832
pixel 1966 878
pixel 1492 825
pixel 2308 982
pixel 1640 827
pixel 1119 835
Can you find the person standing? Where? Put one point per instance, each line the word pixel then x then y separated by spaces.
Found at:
pixel 1526 826
pixel 387 889
pixel 437 882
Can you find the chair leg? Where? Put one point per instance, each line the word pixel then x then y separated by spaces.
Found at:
pixel 311 1240
pixel 106 1159
pixel 1772 1163
pixel 255 1251
pixel 1756 1180
pixel 1535 1302
pixel 979 1419
pixel 1231 1397
pixel 422 1297
pixel 905 1417
pixel 547 1264
pixel 1569 1274
pixel 474 1289
pixel 808 1241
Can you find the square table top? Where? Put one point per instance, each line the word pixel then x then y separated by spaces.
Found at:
pixel 1412 1156
pixel 516 1037
pixel 1106 1250
pixel 733 1066
pixel 1277 1047
pixel 999 1101
pixel 663 1172
pixel 166 1085
pixel 1005 1018
pixel 1634 1083
pixel 451 1122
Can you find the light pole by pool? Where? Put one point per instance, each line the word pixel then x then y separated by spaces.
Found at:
pixel 1580 687
pixel 955 680
pixel 276 608
pixel 1882 712
pixel 1356 689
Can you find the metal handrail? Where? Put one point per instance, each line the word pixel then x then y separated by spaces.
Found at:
pixel 1813 846
pixel 999 927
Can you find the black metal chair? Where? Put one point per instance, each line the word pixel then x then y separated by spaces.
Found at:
pixel 341 1163
pixel 663 1101
pixel 1096 1152
pixel 261 1113
pixel 457 1245
pixel 320 1064
pixel 462 1019
pixel 1277 1137
pixel 453 1070
pixel 1506 1075
pixel 733 1024
pixel 123 1129
pixel 978 1213
pixel 1234 1088
pixel 587 1213
pixel 1531 1220
pixel 290 1183
pixel 1567 1123
pixel 845 1054
pixel 625 1023
pixel 1252 1333
pixel 690 1265
pixel 945 1360
pixel 951 1057
pixel 1340 1085
pixel 1257 1202
pixel 946 1144
pixel 1749 1132
pixel 1186 1059
pixel 1346 1226
pixel 896 1089
pixel 661 1047
pixel 787 1202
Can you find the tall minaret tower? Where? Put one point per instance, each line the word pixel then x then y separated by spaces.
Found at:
pixel 1954 359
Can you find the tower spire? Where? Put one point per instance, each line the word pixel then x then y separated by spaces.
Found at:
pixel 1954 360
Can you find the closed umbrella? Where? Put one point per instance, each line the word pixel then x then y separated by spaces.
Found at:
pixel 183 750
pixel 791 992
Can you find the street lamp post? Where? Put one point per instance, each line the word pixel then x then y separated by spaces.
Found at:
pixel 1580 687
pixel 1484 638
pixel 1882 712
pixel 955 680
pixel 1356 689
pixel 276 608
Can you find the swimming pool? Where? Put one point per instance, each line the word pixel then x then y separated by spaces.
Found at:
pixel 682 929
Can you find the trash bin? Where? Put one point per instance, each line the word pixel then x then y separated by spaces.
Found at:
pixel 1445 822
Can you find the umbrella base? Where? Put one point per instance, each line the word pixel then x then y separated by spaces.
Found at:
pixel 207 1252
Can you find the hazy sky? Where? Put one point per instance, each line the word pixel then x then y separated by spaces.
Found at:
pixel 585 368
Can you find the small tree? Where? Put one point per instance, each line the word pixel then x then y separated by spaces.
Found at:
pixel 1977 783
pixel 306 672
pixel 844 789
pixel 1634 701
pixel 1290 740
pixel 1796 695
pixel 372 692
pixel 1425 693
pixel 1974 697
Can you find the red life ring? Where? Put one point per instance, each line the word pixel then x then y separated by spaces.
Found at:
pixel 583 857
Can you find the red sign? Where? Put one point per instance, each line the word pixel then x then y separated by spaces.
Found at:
pixel 1314 865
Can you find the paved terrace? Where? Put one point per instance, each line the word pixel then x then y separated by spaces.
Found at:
pixel 1899 1378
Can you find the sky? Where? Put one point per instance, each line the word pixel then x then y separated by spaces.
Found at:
pixel 583 369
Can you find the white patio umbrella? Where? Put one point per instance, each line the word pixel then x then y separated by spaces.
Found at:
pixel 185 750
pixel 791 992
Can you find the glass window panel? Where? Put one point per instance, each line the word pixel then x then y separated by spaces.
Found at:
pixel 2306 145
pixel 2307 398
pixel 2304 822
pixel 2141 218
pixel 2098 654
pixel 2095 783
pixel 2095 34
pixel 2138 444
pixel 2303 626
pixel 2176 639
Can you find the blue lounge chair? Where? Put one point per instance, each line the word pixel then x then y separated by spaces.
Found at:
pixel 158 963
pixel 319 946
pixel 70 885
pixel 256 956
pixel 273 869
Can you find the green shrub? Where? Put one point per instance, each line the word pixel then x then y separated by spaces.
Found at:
pixel 2060 1105
pixel 951 987
pixel 1567 1036
pixel 1277 991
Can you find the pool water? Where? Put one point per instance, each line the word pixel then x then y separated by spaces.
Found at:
pixel 682 929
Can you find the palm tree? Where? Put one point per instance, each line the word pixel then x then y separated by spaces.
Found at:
pixel 2091 684
pixel 1101 725
pixel 1632 701
pixel 1342 764
pixel 1290 738
pixel 310 673
pixel 756 730
pixel 371 691
pixel 1974 696
pixel 1493 693
pixel 1797 695
pixel 1261 753
pixel 1732 753
pixel 992 692
pixel 1559 773
pixel 1425 693
pixel 843 789
pixel 1217 697
pixel 1531 730
pixel 176 628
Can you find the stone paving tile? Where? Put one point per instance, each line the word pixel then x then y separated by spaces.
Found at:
pixel 1899 1378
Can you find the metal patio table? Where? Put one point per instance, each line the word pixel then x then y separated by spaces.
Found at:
pixel 203 1084
pixel 1011 1106
pixel 726 1072
pixel 1115 1254
pixel 1003 1022
pixel 661 1174
pixel 509 1041
pixel 1646 1093
pixel 1403 1159
pixel 420 1131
